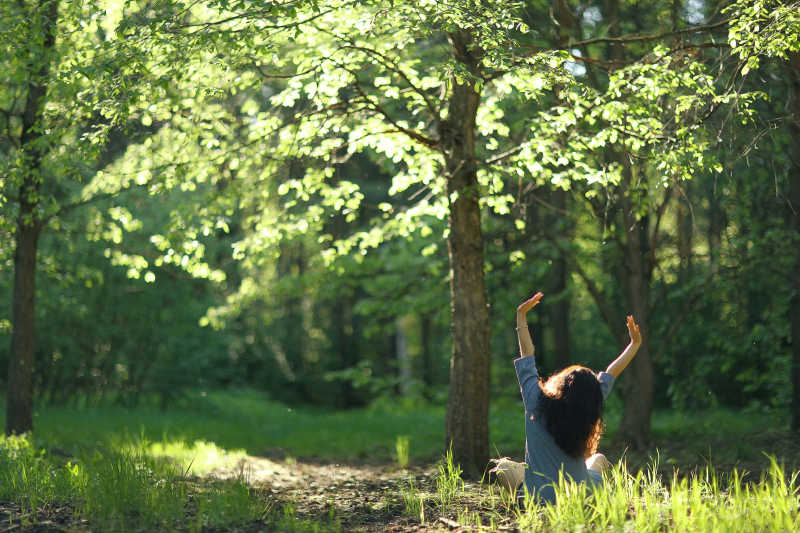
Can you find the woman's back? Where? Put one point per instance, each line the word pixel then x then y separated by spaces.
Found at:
pixel 544 458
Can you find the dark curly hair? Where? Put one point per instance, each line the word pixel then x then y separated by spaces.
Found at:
pixel 572 406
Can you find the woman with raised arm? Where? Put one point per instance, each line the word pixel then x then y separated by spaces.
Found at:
pixel 563 417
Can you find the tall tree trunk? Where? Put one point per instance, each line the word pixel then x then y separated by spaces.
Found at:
pixel 685 233
pixel 537 224
pixel 716 225
pixel 638 382
pixel 559 310
pixel 427 363
pixel 637 386
pixel 467 424
pixel 794 214
pixel 19 399
pixel 404 371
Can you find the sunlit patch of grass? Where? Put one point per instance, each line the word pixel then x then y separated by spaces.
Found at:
pixel 121 486
pixel 402 450
pixel 198 458
pixel 117 489
pixel 248 421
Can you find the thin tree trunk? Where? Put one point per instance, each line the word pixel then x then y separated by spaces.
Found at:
pixel 467 423
pixel 427 363
pixel 794 217
pixel 19 396
pixel 537 224
pixel 685 233
pixel 559 310
pixel 404 371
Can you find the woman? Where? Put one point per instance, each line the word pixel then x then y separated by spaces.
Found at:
pixel 563 417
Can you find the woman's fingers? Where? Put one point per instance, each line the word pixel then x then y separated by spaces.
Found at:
pixel 528 304
pixel 633 330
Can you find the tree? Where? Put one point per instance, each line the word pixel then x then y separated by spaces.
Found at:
pixel 771 29
pixel 358 89
pixel 79 87
pixel 369 80
pixel 625 138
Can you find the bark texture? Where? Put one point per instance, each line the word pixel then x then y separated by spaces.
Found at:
pixel 638 385
pixel 19 396
pixel 467 423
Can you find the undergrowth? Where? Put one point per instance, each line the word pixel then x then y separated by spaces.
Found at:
pixel 142 469
pixel 119 490
pixel 640 501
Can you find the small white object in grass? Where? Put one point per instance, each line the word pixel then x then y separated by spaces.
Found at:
pixel 510 474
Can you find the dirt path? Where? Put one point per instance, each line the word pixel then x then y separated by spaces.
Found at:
pixel 359 497
pixel 369 498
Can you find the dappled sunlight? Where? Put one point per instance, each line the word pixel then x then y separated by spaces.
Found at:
pixel 198 458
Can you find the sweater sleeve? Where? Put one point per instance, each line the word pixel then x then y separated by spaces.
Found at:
pixel 606 383
pixel 528 378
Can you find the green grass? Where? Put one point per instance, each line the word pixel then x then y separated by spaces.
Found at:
pixel 644 502
pixel 250 423
pixel 143 469
pixel 641 501
pixel 119 490
pixel 237 423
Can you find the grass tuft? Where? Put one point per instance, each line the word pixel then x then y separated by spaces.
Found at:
pixel 402 450
pixel 448 482
pixel 414 502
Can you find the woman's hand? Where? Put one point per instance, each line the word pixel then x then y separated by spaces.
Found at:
pixel 529 304
pixel 523 335
pixel 633 331
pixel 618 365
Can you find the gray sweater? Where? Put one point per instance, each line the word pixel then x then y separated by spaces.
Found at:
pixel 543 457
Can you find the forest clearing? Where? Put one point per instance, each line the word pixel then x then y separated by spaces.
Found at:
pixel 312 265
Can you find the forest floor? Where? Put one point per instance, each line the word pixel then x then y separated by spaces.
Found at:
pixel 318 496
pixel 369 497
pixel 240 463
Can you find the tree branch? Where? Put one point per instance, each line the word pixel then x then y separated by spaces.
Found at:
pixel 412 134
pixel 612 320
pixel 654 236
pixel 390 65
pixel 252 15
pixel 624 39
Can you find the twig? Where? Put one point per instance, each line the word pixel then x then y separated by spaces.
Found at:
pixel 648 37
pixel 452 524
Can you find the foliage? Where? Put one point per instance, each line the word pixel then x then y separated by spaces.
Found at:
pixel 763 29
